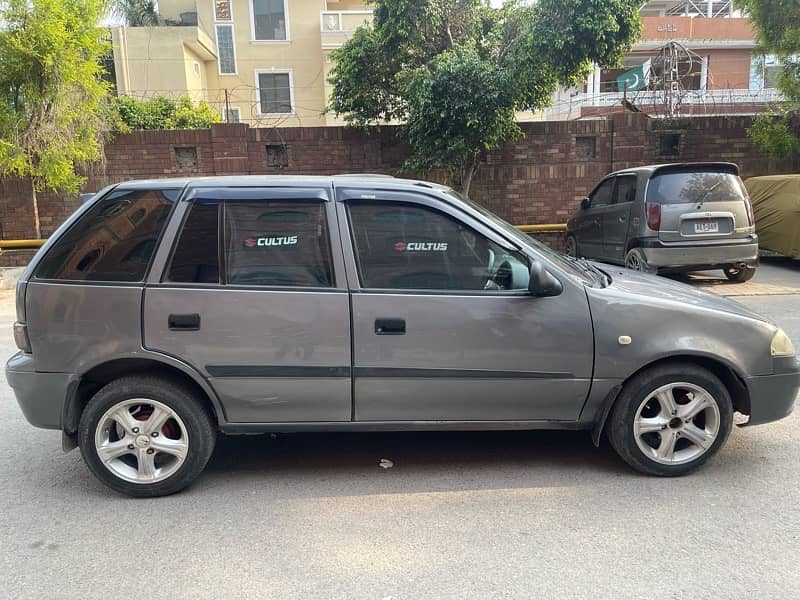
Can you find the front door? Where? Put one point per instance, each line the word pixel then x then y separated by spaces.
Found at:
pixel 444 328
pixel 591 220
pixel 617 216
pixel 251 299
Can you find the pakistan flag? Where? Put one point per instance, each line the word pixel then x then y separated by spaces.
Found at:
pixel 636 78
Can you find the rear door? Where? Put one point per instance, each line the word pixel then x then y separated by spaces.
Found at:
pixel 589 228
pixel 617 218
pixel 444 328
pixel 707 205
pixel 253 296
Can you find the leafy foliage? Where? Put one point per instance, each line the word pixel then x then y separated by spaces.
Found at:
pixel 136 13
pixel 778 25
pixel 160 112
pixel 454 72
pixel 53 102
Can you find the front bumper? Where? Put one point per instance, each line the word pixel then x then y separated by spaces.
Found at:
pixel 706 256
pixel 773 397
pixel 39 395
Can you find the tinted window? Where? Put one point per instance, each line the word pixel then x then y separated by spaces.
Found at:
pixel 196 256
pixel 626 189
pixel 113 241
pixel 693 188
pixel 407 246
pixel 277 243
pixel 602 195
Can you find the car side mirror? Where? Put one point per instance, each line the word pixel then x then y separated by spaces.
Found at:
pixel 541 283
pixel 585 203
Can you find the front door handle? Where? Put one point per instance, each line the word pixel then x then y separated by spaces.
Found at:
pixel 622 219
pixel 390 326
pixel 190 322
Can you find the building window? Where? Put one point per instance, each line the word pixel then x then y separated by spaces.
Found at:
pixel 222 10
pixel 226 52
pixel 269 20
pixel 585 147
pixel 765 69
pixel 232 114
pixel 669 144
pixel 277 156
pixel 274 92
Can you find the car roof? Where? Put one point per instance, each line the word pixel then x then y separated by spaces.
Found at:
pixel 350 179
pixel 652 169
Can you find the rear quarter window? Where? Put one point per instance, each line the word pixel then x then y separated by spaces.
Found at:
pixel 114 241
pixel 695 187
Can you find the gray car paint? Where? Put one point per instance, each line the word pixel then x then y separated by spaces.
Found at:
pixel 75 327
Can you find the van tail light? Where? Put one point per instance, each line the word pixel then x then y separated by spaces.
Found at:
pixel 653 215
pixel 751 220
pixel 21 337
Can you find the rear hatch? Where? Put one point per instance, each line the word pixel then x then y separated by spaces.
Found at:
pixel 698 203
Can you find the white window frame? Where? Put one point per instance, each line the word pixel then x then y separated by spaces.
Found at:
pixel 214 12
pixel 275 71
pixel 253 39
pixel 233 42
pixel 233 109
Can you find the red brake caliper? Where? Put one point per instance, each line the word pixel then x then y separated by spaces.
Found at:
pixel 169 428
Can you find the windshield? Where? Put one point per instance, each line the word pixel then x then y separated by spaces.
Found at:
pixel 695 188
pixel 564 262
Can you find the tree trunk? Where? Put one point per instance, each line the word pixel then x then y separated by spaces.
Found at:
pixel 467 173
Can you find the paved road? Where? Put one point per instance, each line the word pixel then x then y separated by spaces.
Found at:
pixel 460 515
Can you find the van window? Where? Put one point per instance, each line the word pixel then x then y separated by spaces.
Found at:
pixel 277 244
pixel 695 187
pixel 408 246
pixel 602 195
pixel 196 256
pixel 113 241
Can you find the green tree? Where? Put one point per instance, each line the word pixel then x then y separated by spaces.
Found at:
pixel 160 112
pixel 778 25
pixel 454 72
pixel 136 13
pixel 54 105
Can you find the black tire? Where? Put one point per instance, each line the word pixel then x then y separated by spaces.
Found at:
pixel 620 425
pixel 179 398
pixel 571 246
pixel 738 275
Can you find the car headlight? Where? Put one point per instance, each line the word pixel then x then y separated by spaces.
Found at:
pixel 781 344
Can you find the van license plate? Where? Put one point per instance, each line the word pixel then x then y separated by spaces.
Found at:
pixel 707 227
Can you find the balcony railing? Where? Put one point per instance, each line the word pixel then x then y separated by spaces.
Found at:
pixel 343 21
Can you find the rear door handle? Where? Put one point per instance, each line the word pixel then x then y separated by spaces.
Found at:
pixel 622 219
pixel 390 326
pixel 190 322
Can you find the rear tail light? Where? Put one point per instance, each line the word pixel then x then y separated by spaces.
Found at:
pixel 751 220
pixel 21 337
pixel 653 215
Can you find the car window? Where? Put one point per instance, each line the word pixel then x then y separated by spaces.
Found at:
pixel 602 195
pixel 695 187
pixel 277 243
pixel 196 255
pixel 626 189
pixel 409 246
pixel 113 241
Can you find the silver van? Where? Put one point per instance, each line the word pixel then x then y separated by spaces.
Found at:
pixel 677 217
pixel 163 312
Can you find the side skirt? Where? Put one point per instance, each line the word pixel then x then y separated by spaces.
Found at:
pixel 253 428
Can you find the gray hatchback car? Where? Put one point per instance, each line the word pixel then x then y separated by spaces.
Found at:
pixel 676 217
pixel 163 312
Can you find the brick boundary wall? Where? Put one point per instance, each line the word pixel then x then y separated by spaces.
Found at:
pixel 538 179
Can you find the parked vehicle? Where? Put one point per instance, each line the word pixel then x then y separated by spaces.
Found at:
pixel 164 311
pixel 776 205
pixel 660 218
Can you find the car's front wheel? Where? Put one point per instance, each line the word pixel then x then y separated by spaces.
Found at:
pixel 571 246
pixel 670 419
pixel 739 275
pixel 145 436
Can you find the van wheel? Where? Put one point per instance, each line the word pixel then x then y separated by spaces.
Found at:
pixel 636 261
pixel 670 419
pixel 571 246
pixel 145 436
pixel 739 275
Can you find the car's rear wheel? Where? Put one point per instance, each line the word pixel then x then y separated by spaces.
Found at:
pixel 739 275
pixel 571 246
pixel 145 436
pixel 670 419
pixel 636 261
